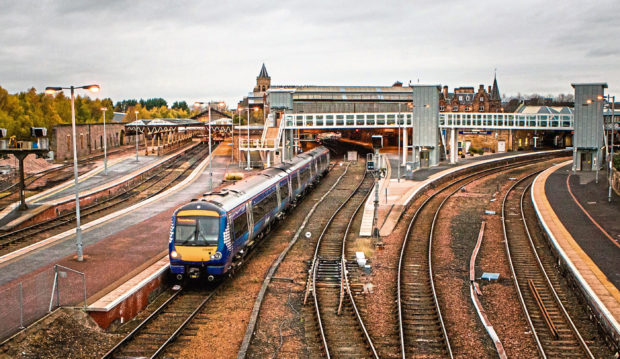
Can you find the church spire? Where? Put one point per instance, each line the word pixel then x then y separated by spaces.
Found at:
pixel 495 89
pixel 263 72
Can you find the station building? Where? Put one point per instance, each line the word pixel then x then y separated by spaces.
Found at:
pixel 89 139
pixel 277 100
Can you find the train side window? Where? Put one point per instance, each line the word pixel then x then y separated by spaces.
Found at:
pixel 304 175
pixel 240 225
pixel 260 209
pixel 284 191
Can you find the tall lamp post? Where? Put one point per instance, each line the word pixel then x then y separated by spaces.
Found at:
pixel 78 229
pixel 105 143
pixel 220 104
pixel 611 154
pixel 137 135
pixel 398 157
pixel 232 132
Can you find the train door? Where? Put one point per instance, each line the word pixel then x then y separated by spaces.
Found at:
pixel 586 161
pixel 279 196
pixel 424 159
pixel 290 189
pixel 248 210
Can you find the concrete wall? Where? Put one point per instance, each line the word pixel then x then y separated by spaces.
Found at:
pixel 89 139
pixel 588 138
pixel 426 121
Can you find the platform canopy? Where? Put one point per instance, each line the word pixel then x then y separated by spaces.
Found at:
pixel 161 125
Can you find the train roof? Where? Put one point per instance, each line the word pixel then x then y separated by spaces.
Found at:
pixel 231 196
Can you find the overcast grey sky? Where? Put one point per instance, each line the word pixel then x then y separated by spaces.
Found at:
pixel 204 50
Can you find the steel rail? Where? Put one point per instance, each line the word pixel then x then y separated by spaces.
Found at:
pixel 314 266
pixel 88 210
pixel 477 175
pixel 46 172
pixel 184 324
pixel 516 282
pixel 148 319
pixel 112 352
pixel 249 333
pixel 344 277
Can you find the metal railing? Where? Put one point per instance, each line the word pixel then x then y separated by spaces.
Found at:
pixel 256 144
pixel 71 278
pixel 24 302
pixel 477 120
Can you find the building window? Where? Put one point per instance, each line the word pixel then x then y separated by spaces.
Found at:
pixel 460 98
pixel 442 108
pixel 481 99
pixel 455 108
pixel 481 108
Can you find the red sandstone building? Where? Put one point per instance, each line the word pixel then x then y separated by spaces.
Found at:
pixel 465 99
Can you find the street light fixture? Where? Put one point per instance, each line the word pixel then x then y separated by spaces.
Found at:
pixel 78 230
pixel 105 143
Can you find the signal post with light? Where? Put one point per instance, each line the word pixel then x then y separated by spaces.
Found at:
pixel 373 165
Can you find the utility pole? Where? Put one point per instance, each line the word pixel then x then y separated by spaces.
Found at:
pixel 611 155
pixel 398 157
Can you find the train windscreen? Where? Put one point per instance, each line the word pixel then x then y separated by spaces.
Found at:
pixel 196 231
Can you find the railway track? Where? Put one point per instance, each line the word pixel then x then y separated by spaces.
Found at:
pixel 151 337
pixel 421 326
pixel 552 327
pixel 10 193
pixel 340 325
pixel 149 187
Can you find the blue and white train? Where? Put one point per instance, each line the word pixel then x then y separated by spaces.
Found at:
pixel 210 236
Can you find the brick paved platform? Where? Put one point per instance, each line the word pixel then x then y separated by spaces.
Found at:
pixel 116 247
pixel 395 196
pixel 119 170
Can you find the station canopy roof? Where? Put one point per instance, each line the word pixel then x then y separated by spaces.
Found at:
pixel 389 93
pixel 563 110
pixel 168 122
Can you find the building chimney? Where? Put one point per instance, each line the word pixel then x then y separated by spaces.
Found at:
pixel 481 88
pixel 445 91
pixel 489 89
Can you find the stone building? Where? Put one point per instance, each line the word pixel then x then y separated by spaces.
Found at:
pixel 256 98
pixel 89 139
pixel 466 99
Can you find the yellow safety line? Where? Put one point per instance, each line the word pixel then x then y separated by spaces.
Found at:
pixel 554 222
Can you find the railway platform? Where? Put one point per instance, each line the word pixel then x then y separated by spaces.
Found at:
pixel 120 170
pixel 117 247
pixel 395 195
pixel 584 231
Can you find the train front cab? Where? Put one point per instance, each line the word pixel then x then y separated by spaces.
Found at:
pixel 197 242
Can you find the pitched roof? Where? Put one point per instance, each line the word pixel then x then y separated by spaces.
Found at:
pixel 263 72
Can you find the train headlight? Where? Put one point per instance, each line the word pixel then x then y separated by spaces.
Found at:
pixel 174 254
pixel 216 256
